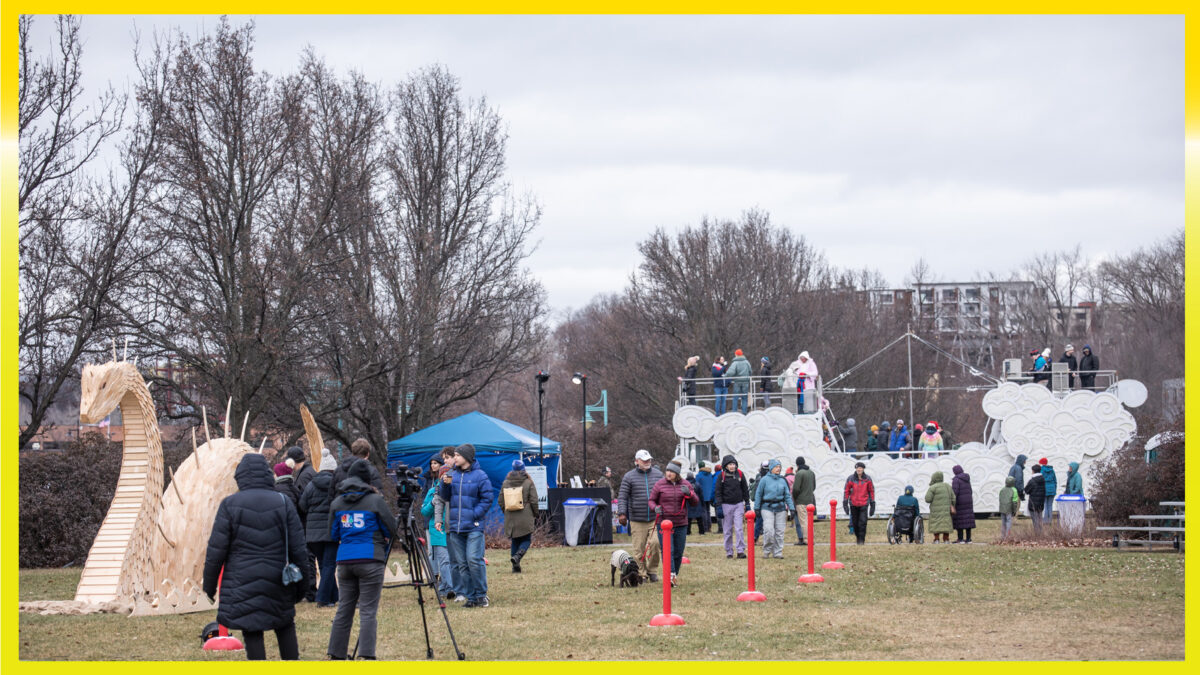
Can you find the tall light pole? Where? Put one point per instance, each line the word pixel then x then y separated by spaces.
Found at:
pixel 540 378
pixel 580 378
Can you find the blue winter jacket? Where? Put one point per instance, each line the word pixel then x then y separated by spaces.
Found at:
pixel 707 483
pixel 1051 480
pixel 772 493
pixel 899 440
pixel 360 522
pixel 468 498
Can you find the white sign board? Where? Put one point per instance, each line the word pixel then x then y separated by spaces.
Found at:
pixel 538 474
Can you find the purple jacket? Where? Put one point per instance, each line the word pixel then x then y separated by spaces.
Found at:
pixel 670 497
pixel 964 504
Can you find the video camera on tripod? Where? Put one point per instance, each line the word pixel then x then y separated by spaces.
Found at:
pixel 412 540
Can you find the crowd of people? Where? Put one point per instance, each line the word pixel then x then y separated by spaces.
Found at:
pixel 731 383
pixel 288 520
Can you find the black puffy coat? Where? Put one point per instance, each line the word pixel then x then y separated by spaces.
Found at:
pixel 730 488
pixel 303 476
pixel 964 501
pixel 314 507
pixel 247 541
pixel 286 486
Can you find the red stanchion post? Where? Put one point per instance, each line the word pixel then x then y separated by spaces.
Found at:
pixel 812 577
pixel 666 618
pixel 750 595
pixel 223 640
pixel 833 563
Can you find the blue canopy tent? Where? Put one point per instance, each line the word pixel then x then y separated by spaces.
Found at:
pixel 497 443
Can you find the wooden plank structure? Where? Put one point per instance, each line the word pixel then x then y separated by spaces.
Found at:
pixel 149 552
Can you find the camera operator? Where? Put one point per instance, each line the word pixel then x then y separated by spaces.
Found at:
pixel 468 494
pixel 362 525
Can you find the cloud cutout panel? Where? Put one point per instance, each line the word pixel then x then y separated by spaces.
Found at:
pixel 1083 426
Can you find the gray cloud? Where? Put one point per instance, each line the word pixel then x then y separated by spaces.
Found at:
pixel 975 141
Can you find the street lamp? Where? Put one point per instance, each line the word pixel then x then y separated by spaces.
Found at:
pixel 580 378
pixel 541 378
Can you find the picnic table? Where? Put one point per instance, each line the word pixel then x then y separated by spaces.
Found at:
pixel 1175 530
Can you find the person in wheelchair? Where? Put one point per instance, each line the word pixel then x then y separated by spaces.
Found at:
pixel 906 518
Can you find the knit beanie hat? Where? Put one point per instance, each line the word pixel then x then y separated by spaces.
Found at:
pixel 282 469
pixel 361 469
pixel 328 463
pixel 518 465
pixel 737 352
pixel 467 451
pixel 295 454
pixel 674 466
pixel 1043 461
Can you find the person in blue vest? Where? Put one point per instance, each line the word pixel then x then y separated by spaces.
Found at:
pixel 468 494
pixel 898 441
pixel 1051 489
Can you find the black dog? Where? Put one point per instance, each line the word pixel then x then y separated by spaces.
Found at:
pixel 627 567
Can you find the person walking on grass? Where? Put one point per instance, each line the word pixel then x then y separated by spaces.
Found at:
pixel 731 495
pixel 362 524
pixel 964 505
pixel 255 532
pixel 858 500
pixel 633 508
pixel 803 494
pixel 468 494
pixel 315 503
pixel 669 499
pixel 773 499
pixel 1035 491
pixel 519 502
pixel 1010 503
pixel 940 497
pixel 439 556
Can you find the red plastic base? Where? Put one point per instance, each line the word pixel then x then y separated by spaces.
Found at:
pixel 666 620
pixel 752 596
pixel 223 643
pixel 685 561
pixel 810 579
pixel 832 565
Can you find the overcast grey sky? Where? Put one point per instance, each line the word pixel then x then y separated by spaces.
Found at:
pixel 975 141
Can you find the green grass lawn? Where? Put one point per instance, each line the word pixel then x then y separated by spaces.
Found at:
pixel 891 602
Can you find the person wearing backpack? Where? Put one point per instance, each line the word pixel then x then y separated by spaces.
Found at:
pixel 519 502
pixel 731 495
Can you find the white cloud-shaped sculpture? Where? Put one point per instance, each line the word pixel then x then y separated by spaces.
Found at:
pixel 1083 426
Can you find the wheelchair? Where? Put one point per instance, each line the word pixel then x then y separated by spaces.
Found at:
pixel 904 522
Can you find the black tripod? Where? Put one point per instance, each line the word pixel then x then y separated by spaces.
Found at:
pixel 421 570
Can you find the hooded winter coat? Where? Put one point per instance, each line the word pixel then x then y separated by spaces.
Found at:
pixel 1089 362
pixel 633 497
pixel 907 499
pixel 468 497
pixel 247 540
pixel 520 523
pixel 1035 491
pixel 772 492
pixel 314 506
pixel 964 501
pixel 804 487
pixel 1074 480
pixel 343 472
pixel 1051 481
pixel 1009 500
pixel 361 522
pixel 731 488
pixel 303 477
pixel 286 486
pixel 850 435
pixel 940 497
pixel 1017 473
pixel 674 504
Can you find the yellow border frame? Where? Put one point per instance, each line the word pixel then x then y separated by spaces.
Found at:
pixel 9 622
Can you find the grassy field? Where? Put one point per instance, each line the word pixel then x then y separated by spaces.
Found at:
pixel 891 602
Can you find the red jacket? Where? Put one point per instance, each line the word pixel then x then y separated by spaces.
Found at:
pixel 670 497
pixel 860 491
